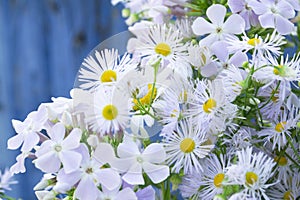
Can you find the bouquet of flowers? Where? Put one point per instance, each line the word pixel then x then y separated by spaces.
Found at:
pixel 203 104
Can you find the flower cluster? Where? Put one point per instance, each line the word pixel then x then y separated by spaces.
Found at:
pixel 204 104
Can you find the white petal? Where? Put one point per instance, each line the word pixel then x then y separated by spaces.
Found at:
pixel 72 141
pixel 134 175
pixel 30 140
pixel 220 50
pixel 48 163
pixel 285 9
pixel 128 149
pixel 104 153
pixel 86 189
pixel 71 160
pixel 283 25
pixel 57 133
pixel 201 27
pixel 126 194
pixel 209 40
pixel 70 179
pixel 209 70
pixel 109 178
pixel 15 141
pixel 18 125
pixel 216 13
pixel 123 164
pixel 154 153
pixel 238 59
pixel 157 173
pixel 257 7
pixel 267 20
pixel 234 24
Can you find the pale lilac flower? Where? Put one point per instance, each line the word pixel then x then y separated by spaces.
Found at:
pixel 242 8
pixel 6 180
pixel 147 193
pixel 27 131
pixel 217 29
pixel 59 150
pixel 87 178
pixel 295 4
pixel 274 14
pixel 133 163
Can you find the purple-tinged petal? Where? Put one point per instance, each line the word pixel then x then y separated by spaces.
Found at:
pixel 128 149
pixel 234 24
pixel 209 40
pixel 57 132
pixel 134 175
pixel 154 153
pixel 48 162
pixel 104 153
pixel 72 141
pixel 15 141
pixel 258 7
pixel 220 50
pixel 236 6
pixel 18 125
pixel 201 27
pixel 109 178
pixel 157 173
pixel 285 9
pixel 86 189
pixel 30 140
pixel 283 25
pixel 238 59
pixel 267 20
pixel 147 193
pixel 70 178
pixel 216 14
pixel 126 194
pixel 71 160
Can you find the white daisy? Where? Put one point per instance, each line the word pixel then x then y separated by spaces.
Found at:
pixel 285 70
pixel 270 45
pixel 109 111
pixel 186 147
pixel 289 190
pixel 210 105
pixel 273 97
pixel 252 171
pixel 280 129
pixel 159 43
pixel 213 176
pixel 105 67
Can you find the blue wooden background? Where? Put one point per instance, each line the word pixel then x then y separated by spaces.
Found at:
pixel 42 45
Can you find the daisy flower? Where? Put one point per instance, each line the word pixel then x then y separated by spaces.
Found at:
pixel 109 111
pixel 214 173
pixel 281 128
pixel 159 43
pixel 104 68
pixel 289 190
pixel 190 185
pixel 209 104
pixel 270 45
pixel 186 147
pixel 252 171
pixel 218 29
pixel 273 98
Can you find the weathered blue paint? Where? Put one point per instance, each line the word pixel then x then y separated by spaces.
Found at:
pixel 42 45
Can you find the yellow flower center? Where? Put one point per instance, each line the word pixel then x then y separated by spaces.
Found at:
pixel 251 178
pixel 218 179
pixel 110 112
pixel 279 70
pixel 187 145
pixel 163 49
pixel 280 127
pixel 108 76
pixel 209 105
pixel 253 41
pixel 282 161
pixel 147 99
pixel 288 195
